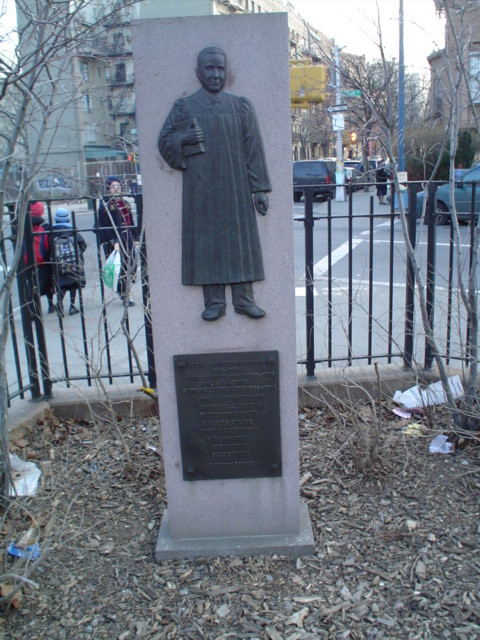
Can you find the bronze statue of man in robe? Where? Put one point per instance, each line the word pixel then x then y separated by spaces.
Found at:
pixel 214 138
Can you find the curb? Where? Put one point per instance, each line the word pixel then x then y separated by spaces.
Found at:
pixel 89 404
pixel 352 384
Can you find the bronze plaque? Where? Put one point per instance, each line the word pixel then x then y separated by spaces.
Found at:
pixel 229 415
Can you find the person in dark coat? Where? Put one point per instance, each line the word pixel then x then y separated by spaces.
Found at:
pixel 215 139
pixel 41 246
pixel 381 176
pixel 116 226
pixel 70 282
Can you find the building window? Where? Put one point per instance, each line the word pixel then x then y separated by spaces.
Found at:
pixel 259 9
pixel 90 133
pixel 84 70
pixel 107 74
pixel 475 76
pixel 86 102
pixel 123 128
pixel 120 73
pixel 438 98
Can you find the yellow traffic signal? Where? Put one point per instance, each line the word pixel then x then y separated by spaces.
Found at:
pixel 308 84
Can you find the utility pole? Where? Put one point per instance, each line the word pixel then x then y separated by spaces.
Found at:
pixel 402 174
pixel 401 95
pixel 340 174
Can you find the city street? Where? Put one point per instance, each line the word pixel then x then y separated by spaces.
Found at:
pixel 382 274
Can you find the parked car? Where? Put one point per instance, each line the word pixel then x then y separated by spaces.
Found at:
pixel 355 164
pixel 354 174
pixel 319 174
pixel 463 197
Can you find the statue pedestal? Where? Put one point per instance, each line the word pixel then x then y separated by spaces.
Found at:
pixel 222 513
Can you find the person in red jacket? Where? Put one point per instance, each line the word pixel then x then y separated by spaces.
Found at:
pixel 41 246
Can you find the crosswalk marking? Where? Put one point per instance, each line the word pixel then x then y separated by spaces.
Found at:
pixel 301 292
pixel 340 252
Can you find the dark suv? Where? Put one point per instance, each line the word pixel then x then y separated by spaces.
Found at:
pixel 319 174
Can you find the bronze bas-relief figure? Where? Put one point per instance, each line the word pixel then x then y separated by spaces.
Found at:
pixel 214 138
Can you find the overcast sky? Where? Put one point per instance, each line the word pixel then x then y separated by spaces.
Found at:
pixel 354 24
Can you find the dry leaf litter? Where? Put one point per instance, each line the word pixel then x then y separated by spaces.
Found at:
pixel 397 546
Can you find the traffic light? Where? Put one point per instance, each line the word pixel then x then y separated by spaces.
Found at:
pixel 353 137
pixel 308 83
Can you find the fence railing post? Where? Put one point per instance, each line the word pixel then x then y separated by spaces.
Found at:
pixel 431 265
pixel 33 298
pixel 151 372
pixel 309 289
pixel 410 281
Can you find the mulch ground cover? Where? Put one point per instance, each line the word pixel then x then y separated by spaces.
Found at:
pixel 396 530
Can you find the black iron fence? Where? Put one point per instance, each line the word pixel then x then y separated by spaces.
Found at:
pixel 350 317
pixel 453 328
pixel 47 349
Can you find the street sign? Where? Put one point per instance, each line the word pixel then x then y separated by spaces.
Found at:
pixel 338 122
pixel 352 93
pixel 335 108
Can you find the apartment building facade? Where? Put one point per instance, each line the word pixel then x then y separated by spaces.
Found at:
pixel 97 132
pixel 449 86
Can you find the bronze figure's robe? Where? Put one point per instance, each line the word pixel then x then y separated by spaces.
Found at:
pixel 220 240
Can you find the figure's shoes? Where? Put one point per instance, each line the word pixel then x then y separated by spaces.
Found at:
pixel 73 310
pixel 51 307
pixel 252 312
pixel 213 313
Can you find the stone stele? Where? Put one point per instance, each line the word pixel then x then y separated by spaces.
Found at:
pixel 234 515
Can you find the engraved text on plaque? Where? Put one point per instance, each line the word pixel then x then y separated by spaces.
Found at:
pixel 229 416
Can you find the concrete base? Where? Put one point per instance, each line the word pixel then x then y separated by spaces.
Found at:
pixel 300 544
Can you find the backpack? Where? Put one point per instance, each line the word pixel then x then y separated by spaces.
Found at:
pixel 40 246
pixel 41 250
pixel 66 258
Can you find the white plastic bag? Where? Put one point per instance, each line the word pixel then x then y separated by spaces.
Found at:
pixel 440 444
pixel 111 270
pixel 416 398
pixel 25 477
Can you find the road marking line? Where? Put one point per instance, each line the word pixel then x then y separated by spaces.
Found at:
pixel 301 292
pixel 340 252
pixel 386 224
pixel 376 283
pixel 437 244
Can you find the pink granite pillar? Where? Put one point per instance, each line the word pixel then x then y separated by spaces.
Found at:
pixel 221 516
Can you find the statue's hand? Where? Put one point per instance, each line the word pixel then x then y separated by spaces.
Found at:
pixel 193 135
pixel 261 202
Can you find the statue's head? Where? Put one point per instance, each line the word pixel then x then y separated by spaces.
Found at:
pixel 212 69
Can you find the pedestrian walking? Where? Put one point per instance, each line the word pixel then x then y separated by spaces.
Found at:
pixel 41 250
pixel 381 176
pixel 69 268
pixel 118 233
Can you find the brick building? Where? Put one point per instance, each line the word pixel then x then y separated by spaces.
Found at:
pixel 455 70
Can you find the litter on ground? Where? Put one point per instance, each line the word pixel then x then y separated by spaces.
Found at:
pixel 25 477
pixel 416 398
